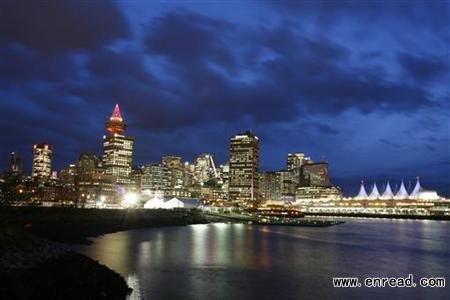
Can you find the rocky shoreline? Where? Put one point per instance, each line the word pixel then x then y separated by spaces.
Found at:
pixel 34 268
pixel 37 261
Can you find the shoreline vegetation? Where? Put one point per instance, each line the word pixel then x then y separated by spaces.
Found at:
pixel 36 259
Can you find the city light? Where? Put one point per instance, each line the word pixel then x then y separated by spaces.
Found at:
pixel 130 200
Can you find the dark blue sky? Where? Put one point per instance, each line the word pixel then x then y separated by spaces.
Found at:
pixel 362 85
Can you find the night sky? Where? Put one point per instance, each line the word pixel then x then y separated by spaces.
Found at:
pixel 365 86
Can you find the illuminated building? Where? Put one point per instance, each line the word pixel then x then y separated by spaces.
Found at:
pixel 15 164
pixel 270 186
pixel 42 162
pixel 91 181
pixel 296 160
pixel 155 178
pixel 204 169
pixel 308 194
pixel 117 149
pixel 315 174
pixel 175 168
pixel 244 164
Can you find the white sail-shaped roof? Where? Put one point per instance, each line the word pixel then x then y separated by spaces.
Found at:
pixel 173 203
pixel 362 192
pixel 402 193
pixel 375 194
pixel 387 194
pixel 416 191
pixel 154 203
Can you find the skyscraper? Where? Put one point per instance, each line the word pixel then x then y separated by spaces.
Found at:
pixel 204 169
pixel 42 162
pixel 117 149
pixel 244 164
pixel 155 178
pixel 315 174
pixel 175 168
pixel 15 164
pixel 295 161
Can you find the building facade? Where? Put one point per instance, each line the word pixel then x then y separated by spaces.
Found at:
pixel 155 178
pixel 15 164
pixel 42 162
pixel 270 186
pixel 117 149
pixel 175 169
pixel 315 174
pixel 244 165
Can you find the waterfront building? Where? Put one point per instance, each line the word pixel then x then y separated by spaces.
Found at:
pixel 117 149
pixel 315 174
pixel 15 164
pixel 314 193
pixel 244 164
pixel 42 162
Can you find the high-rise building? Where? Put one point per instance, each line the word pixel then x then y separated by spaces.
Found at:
pixel 155 178
pixel 42 162
pixel 175 168
pixel 315 174
pixel 270 186
pixel 15 164
pixel 295 161
pixel 244 164
pixel 91 182
pixel 117 149
pixel 204 169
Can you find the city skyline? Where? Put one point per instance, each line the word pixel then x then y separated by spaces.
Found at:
pixel 373 100
pixel 118 154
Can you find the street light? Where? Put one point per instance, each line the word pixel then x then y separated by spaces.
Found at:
pixel 130 200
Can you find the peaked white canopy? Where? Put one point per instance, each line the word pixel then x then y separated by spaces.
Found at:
pixel 375 194
pixel 417 190
pixel 388 194
pixel 362 192
pixel 402 193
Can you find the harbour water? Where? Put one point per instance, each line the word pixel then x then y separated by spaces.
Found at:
pixel 237 261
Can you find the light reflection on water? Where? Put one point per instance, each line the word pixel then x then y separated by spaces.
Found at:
pixel 236 261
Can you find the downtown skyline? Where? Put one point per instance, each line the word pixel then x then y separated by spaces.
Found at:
pixel 375 111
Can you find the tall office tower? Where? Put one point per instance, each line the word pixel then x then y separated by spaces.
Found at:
pixel 15 164
pixel 295 161
pixel 42 162
pixel 204 169
pixel 175 168
pixel 315 174
pixel 117 149
pixel 270 186
pixel 155 178
pixel 188 174
pixel 244 163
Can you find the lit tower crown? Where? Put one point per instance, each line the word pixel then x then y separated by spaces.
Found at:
pixel 115 123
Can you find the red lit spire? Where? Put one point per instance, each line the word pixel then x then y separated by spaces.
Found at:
pixel 115 125
pixel 116 113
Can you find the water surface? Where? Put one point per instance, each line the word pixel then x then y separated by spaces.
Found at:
pixel 236 261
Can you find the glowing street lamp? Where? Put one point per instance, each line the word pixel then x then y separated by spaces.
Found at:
pixel 130 200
